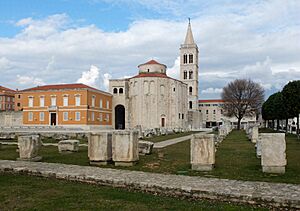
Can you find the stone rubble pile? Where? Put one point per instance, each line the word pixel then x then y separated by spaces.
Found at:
pixel 67 146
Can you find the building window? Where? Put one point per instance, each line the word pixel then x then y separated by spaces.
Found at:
pixel 77 100
pixel 185 75
pixel 8 99
pixel 30 116
pixel 190 74
pixel 191 58
pixel 206 111
pixel 42 101
pixel 53 101
pixel 42 116
pixel 18 104
pixel 121 91
pixel 182 116
pixel 174 89
pixel 115 90
pixel 184 59
pixel 107 117
pixel 190 90
pixel 214 112
pixel 93 116
pixel 101 117
pixel 77 116
pixel 190 104
pixel 93 100
pixel 66 116
pixel 221 111
pixel 107 104
pixel 30 102
pixel 66 101
pixel 179 116
pixel 0 98
pixel 19 96
pixel 101 103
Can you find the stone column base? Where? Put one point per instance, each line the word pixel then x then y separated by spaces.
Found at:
pixel 120 163
pixel 274 169
pixel 35 159
pixel 98 163
pixel 202 167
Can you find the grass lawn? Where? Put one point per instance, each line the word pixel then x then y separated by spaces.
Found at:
pixel 235 159
pixel 20 192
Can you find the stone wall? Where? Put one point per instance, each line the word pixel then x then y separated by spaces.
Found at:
pixel 11 118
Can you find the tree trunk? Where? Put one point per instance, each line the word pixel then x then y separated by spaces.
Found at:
pixel 239 124
pixel 277 125
pixel 298 131
pixel 273 124
pixel 286 124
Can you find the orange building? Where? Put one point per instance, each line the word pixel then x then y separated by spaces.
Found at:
pixel 7 99
pixel 66 104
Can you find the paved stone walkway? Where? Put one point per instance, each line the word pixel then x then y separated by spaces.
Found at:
pixel 169 142
pixel 268 194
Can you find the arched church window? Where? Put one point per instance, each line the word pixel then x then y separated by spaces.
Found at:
pixel 121 90
pixel 185 75
pixel 190 90
pixel 184 59
pixel 191 58
pixel 190 105
pixel 190 74
pixel 115 91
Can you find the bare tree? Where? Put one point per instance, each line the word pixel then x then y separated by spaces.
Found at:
pixel 242 98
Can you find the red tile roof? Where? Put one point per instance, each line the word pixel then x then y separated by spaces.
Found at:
pixel 211 101
pixel 152 62
pixel 160 75
pixel 4 89
pixel 59 86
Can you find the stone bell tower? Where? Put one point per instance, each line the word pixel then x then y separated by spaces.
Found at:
pixel 189 68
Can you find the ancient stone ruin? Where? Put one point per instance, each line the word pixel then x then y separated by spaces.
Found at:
pixel 203 152
pixel 125 148
pixel 273 156
pixel 68 146
pixel 29 146
pixel 100 148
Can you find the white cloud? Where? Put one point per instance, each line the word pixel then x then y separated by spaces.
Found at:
pixel 235 40
pixel 212 91
pixel 29 80
pixel 90 77
pixel 174 71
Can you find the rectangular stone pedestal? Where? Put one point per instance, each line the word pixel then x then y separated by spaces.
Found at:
pixel 125 164
pixel 254 134
pixel 203 152
pixel 29 146
pixel 125 145
pixel 100 148
pixel 273 156
pixel 68 146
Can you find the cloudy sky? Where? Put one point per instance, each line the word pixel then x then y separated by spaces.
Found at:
pixel 91 41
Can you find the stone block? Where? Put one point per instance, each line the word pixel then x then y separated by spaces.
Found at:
pixel 203 152
pixel 125 148
pixel 254 134
pixel 273 156
pixel 145 147
pixel 29 146
pixel 66 146
pixel 100 148
pixel 222 131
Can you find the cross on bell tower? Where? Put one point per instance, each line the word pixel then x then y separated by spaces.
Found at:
pixel 189 67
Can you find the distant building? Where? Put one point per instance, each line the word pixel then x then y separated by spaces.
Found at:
pixel 149 100
pixel 66 104
pixel 7 99
pixel 212 114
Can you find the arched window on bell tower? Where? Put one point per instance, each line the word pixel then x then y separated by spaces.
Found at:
pixel 190 74
pixel 190 90
pixel 185 59
pixel 185 74
pixel 190 105
pixel 191 58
